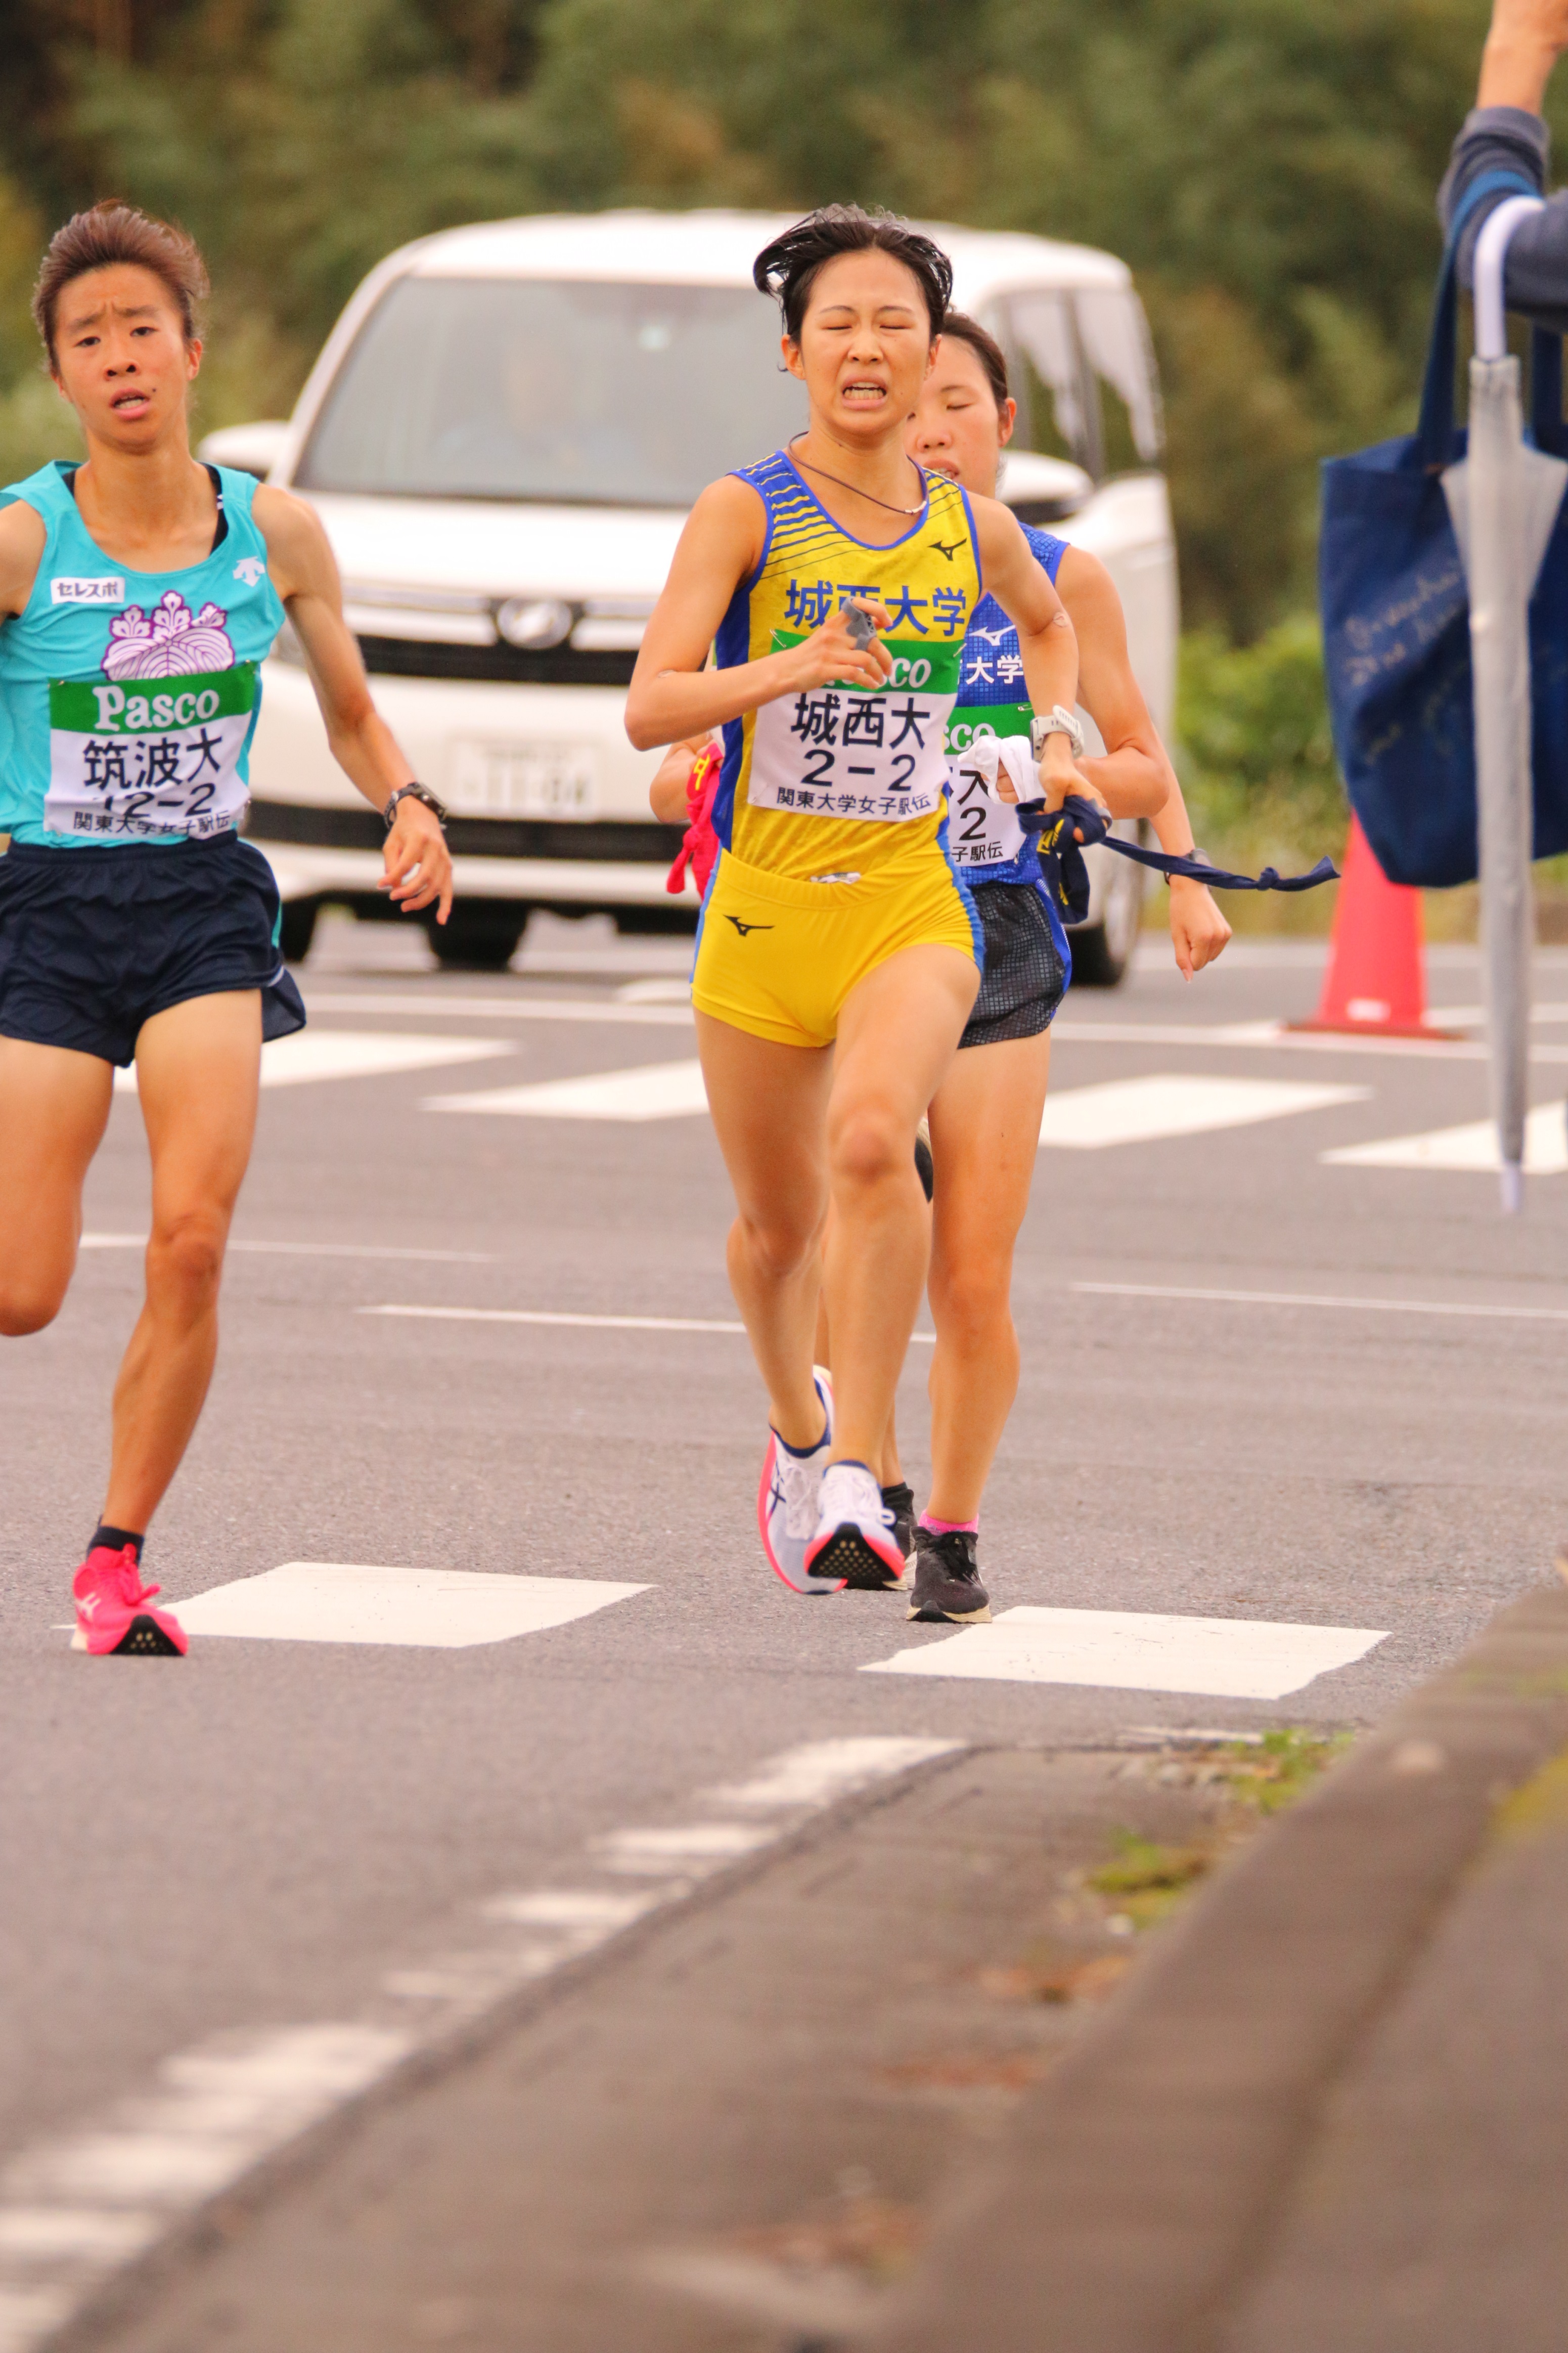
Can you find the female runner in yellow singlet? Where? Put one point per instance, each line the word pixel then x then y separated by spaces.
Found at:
pixel 838 953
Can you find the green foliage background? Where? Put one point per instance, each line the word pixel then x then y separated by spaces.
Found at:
pixel 1266 166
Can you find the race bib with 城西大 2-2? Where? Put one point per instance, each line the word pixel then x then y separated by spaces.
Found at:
pixel 843 751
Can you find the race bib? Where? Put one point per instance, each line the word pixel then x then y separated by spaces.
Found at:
pixel 149 755
pixel 982 831
pixel 871 754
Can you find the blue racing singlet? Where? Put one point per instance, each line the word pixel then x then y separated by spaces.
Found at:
pixel 985 841
pixel 128 699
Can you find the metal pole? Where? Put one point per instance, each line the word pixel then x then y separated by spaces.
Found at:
pixel 1512 503
pixel 1500 655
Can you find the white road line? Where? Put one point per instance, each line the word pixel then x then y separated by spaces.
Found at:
pixel 696 1848
pixel 419 1609
pixel 824 1770
pixel 650 1090
pixel 306 1249
pixel 1471 1149
pixel 1275 1037
pixel 1117 1650
pixel 78 2207
pixel 625 1013
pixel 311 1054
pixel 1470 1017
pixel 1141 1111
pixel 1324 1299
pixel 590 1323
pixel 547 1315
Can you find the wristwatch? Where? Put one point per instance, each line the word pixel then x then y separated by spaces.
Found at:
pixel 413 793
pixel 1201 855
pixel 1058 721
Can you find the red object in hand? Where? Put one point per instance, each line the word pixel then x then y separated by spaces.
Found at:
pixel 700 850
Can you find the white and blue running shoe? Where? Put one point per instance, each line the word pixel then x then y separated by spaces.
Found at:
pixel 787 1501
pixel 853 1541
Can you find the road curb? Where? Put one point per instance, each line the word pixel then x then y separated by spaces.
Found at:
pixel 1139 2186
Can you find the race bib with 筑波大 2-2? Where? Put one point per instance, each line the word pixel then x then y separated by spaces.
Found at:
pixel 149 755
pixel 983 831
pixel 858 751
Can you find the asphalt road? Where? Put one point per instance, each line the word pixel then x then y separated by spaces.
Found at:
pixel 247 1840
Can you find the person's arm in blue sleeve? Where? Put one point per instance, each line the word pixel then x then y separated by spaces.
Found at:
pixel 1505 136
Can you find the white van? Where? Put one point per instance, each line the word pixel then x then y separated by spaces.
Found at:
pixel 503 435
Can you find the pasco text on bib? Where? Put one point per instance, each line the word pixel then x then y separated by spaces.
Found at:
pixel 871 754
pixel 140 756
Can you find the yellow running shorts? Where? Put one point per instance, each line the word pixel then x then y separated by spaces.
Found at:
pixel 778 958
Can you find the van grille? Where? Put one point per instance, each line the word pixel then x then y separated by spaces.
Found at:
pixel 558 666
pixel 624 840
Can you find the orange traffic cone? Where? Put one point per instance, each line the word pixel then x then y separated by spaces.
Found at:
pixel 1376 979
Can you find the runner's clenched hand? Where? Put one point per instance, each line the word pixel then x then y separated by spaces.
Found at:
pixel 1199 931
pixel 830 657
pixel 418 862
pixel 1060 775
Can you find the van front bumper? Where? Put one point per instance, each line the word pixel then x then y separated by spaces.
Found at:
pixel 336 853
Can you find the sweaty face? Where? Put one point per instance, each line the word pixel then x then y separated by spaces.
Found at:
pixel 956 429
pixel 120 355
pixel 865 344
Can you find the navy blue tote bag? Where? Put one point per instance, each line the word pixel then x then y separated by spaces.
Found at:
pixel 1396 638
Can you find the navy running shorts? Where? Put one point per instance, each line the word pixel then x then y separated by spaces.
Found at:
pixel 1025 975
pixel 94 941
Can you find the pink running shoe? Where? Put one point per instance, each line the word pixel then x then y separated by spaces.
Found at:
pixel 110 1615
pixel 787 1499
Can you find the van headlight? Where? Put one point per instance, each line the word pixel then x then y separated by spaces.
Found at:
pixel 534 622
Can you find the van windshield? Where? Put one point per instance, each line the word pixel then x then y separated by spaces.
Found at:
pixel 537 388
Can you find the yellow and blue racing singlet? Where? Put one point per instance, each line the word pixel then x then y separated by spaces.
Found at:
pixel 846 779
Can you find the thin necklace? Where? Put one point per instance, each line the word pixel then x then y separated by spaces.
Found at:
pixel 851 487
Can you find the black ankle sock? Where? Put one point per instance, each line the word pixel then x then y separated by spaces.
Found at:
pixel 117 1539
pixel 900 1493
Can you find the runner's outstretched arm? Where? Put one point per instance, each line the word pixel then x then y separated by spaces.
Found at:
pixel 672 696
pixel 305 575
pixel 1134 753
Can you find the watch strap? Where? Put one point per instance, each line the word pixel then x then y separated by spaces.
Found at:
pixel 412 793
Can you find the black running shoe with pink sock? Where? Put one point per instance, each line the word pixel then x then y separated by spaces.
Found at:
pixel 947 1579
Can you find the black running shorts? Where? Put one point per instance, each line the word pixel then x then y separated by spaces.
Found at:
pixel 94 941
pixel 1025 975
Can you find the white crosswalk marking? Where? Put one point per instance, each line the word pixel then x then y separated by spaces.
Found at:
pixel 353 1054
pixel 1471 1148
pixel 1141 1111
pixel 651 1090
pixel 420 1608
pixel 1124 1650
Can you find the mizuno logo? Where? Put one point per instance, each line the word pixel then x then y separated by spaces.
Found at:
pixel 745 930
pixel 949 552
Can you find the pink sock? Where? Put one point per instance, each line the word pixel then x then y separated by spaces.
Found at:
pixel 948 1527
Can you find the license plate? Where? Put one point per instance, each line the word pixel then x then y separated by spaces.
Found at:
pixel 491 780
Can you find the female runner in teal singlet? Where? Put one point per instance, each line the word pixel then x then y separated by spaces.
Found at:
pixel 138 593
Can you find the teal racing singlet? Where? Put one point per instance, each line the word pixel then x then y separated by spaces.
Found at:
pixel 128 699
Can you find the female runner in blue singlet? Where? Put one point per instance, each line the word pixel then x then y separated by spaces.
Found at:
pixel 985 1115
pixel 138 593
